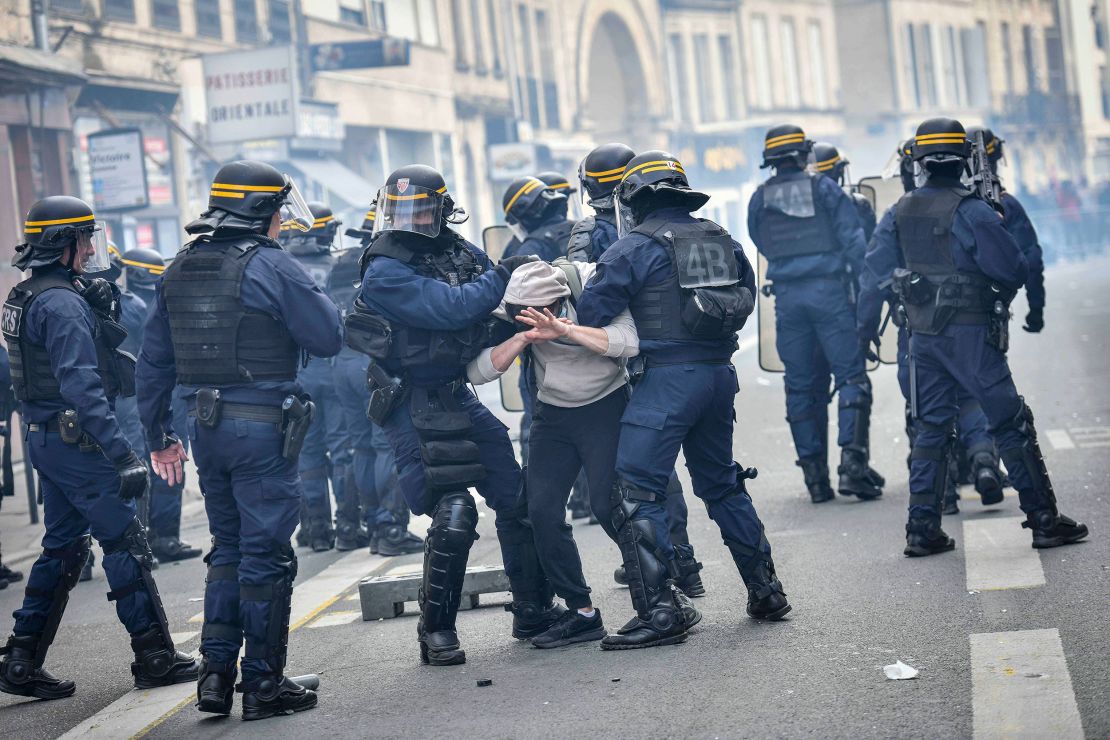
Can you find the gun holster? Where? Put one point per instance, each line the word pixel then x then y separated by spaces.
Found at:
pixel 386 393
pixel 998 327
pixel 208 407
pixel 296 417
pixel 636 367
pixel 68 428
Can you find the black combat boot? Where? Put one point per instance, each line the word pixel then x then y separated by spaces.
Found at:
pixel 925 537
pixel 157 663
pixel 816 472
pixel 87 570
pixel 301 538
pixel 688 577
pixel 950 504
pixel 350 537
pixel 22 674
pixel 395 539
pixel 987 478
pixel 1052 529
pixel 856 477
pixel 171 549
pixel 766 599
pixel 270 695
pixel 216 687
pixel 321 536
pixel 663 623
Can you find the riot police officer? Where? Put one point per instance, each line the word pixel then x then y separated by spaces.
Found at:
pixel 232 315
pixel 63 335
pixel 599 173
pixel 142 269
pixel 375 474
pixel 1018 224
pixel 421 316
pixel 962 268
pixel 829 162
pixel 7 477
pixel 537 215
pixel 689 289
pixel 974 449
pixel 808 230
pixel 327 448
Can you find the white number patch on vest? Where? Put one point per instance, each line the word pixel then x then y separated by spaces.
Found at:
pixel 793 197
pixel 705 262
pixel 13 316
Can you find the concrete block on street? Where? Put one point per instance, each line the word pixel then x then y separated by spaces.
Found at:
pixel 384 597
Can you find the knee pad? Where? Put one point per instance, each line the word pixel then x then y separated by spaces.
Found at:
pixel 227 575
pixel 454 522
pixel 625 501
pixel 73 557
pixel 279 594
pixel 1027 455
pixel 134 542
pixel 941 456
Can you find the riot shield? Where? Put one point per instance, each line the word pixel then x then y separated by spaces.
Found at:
pixel 882 193
pixel 494 241
pixel 511 400
pixel 769 358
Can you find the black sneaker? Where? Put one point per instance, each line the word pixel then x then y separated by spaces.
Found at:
pixel 570 628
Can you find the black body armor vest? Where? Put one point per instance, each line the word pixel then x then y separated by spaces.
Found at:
pixel 792 223
pixel 556 235
pixel 702 299
pixel 216 340
pixel 32 377
pixel 406 346
pixel 933 291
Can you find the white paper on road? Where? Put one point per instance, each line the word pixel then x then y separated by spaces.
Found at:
pixel 136 712
pixel 900 671
pixel 1021 687
pixel 998 555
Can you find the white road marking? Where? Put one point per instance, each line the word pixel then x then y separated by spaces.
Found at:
pixel 1090 436
pixel 137 712
pixel 1059 439
pixel 335 619
pixel 180 637
pixel 197 618
pixel 1020 687
pixel 998 554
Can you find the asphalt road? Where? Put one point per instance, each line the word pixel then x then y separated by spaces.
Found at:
pixel 1009 642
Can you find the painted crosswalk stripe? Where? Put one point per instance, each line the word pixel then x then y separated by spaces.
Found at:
pixel 1059 439
pixel 999 555
pixel 1021 687
pixel 138 712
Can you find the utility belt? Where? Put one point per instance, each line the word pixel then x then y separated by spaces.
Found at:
pixel 293 417
pixel 639 365
pixel 65 424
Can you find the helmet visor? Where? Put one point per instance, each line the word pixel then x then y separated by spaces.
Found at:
pixel 92 249
pixel 626 221
pixel 295 212
pixel 407 207
pixel 893 166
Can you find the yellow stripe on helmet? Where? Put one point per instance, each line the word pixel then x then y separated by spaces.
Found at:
pixel 777 141
pixel 322 220
pixel 32 231
pixel 225 194
pixel 527 187
pixel 949 138
pixel 559 186
pixel 605 173
pixel 655 166
pixel 370 216
pixel 828 164
pixel 153 268
pixel 416 196
pixel 249 188
pixel 59 221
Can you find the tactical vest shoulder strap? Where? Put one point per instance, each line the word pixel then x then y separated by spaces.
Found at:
pixel 388 245
pixel 574 278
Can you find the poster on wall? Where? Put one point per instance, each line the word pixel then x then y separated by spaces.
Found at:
pixel 118 170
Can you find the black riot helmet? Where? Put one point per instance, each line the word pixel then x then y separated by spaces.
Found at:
pixel 653 180
pixel 318 239
pixel 557 182
pixel 365 231
pixel 786 143
pixel 244 197
pixel 991 141
pixel 905 165
pixel 415 199
pixel 142 267
pixel 828 161
pixel 55 223
pixel 940 138
pixel 601 171
pixel 528 200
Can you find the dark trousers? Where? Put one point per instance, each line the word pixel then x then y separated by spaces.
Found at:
pixel 164 516
pixel 326 451
pixel 252 496
pixel 80 495
pixel 564 441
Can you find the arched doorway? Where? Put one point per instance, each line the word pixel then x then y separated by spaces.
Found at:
pixel 617 94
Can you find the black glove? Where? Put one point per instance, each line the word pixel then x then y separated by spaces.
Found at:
pixel 134 478
pixel 1034 320
pixel 511 263
pixel 100 294
pixel 867 346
